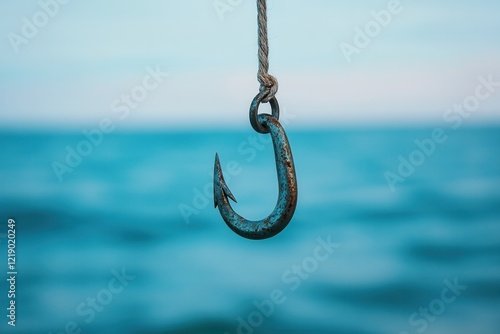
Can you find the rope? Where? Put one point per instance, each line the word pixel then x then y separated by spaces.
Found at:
pixel 268 83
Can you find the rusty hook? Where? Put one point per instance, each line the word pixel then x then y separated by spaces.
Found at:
pixel 287 198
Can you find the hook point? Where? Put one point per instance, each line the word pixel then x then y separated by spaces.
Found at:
pixel 219 183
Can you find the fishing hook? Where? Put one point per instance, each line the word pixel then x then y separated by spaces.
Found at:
pixel 287 197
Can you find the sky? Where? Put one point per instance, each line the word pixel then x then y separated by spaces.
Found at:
pixel 414 61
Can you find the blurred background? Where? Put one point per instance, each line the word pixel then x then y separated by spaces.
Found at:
pixel 110 117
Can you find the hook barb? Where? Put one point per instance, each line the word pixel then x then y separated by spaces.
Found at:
pixel 221 182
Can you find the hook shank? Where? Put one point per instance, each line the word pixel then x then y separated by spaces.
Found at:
pixel 287 183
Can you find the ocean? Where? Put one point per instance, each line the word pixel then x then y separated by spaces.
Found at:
pixel 397 230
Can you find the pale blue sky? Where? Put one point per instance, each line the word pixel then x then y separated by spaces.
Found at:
pixel 91 52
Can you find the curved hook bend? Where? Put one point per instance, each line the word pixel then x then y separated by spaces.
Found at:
pixel 287 198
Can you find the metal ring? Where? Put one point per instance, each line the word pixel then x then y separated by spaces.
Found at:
pixel 254 113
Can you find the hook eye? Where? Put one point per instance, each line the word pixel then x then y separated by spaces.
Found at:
pixel 254 113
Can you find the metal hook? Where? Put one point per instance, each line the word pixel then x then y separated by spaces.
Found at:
pixel 287 198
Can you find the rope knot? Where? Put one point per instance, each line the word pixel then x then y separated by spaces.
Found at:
pixel 268 86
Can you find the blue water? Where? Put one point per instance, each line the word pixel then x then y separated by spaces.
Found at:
pixel 141 202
